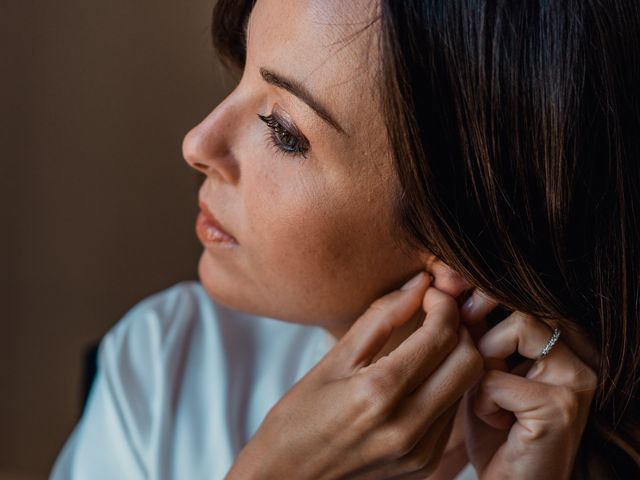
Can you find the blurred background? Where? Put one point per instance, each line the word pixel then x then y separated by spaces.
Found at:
pixel 98 206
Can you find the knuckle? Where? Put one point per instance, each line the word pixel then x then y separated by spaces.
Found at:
pixel 385 307
pixel 445 336
pixel 436 300
pixel 398 441
pixel 374 385
pixel 380 305
pixel 488 378
pixel 567 404
pixel 589 379
pixel 524 322
pixel 571 376
pixel 472 361
pixel 448 338
pixel 535 434
pixel 372 393
pixel 387 301
pixel 538 370
pixel 451 333
pixel 416 460
pixel 448 302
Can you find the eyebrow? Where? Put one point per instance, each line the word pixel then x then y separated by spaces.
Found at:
pixel 302 93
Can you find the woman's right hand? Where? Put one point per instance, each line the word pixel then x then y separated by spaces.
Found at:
pixel 351 417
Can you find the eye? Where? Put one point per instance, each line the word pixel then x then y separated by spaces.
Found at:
pixel 288 140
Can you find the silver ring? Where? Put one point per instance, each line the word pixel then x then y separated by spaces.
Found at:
pixel 552 341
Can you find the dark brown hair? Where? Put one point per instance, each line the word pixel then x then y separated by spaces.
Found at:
pixel 515 131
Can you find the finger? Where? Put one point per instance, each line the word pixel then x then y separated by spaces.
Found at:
pixel 528 336
pixel 425 456
pixel 476 307
pixel 371 331
pixel 581 344
pixel 440 305
pixel 489 412
pixel 458 373
pixel 501 391
pixel 542 412
pixel 520 369
pixel 520 333
pixel 389 447
pixel 477 330
pixel 474 311
pixel 485 440
pixel 582 356
pixel 420 354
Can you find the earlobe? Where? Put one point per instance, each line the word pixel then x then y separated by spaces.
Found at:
pixel 445 278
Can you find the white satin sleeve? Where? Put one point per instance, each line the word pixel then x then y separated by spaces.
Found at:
pixel 111 439
pixel 182 384
pixel 467 473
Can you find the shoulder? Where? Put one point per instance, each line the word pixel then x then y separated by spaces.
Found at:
pixel 162 311
pixel 134 343
pixel 180 376
pixel 183 327
pixel 185 313
pixel 178 357
pixel 119 428
pixel 159 322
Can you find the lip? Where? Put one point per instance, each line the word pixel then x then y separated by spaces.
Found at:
pixel 210 230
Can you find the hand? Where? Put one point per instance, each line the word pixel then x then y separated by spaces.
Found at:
pixel 527 427
pixel 349 417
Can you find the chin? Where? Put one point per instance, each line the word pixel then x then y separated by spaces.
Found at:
pixel 223 288
pixel 231 289
pixel 215 282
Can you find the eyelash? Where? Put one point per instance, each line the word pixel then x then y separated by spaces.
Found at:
pixel 284 140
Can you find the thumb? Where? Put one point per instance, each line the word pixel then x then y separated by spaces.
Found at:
pixel 371 331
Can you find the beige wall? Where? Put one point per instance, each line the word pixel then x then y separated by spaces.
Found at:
pixel 98 207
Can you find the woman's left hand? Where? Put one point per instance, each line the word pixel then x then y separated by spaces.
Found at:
pixel 527 423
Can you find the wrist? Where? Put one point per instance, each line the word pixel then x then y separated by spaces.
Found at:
pixel 453 461
pixel 249 465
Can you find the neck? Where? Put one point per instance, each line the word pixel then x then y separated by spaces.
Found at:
pixel 398 335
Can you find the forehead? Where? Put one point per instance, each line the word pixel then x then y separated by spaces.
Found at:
pixel 329 46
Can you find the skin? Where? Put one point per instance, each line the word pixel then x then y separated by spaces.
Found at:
pixel 317 238
pixel 318 243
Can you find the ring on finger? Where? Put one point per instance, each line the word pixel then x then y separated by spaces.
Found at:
pixel 552 341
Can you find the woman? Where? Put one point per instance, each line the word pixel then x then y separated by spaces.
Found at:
pixel 492 144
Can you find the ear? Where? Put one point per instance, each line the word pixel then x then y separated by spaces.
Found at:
pixel 446 279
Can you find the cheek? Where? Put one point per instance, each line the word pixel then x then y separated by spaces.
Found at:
pixel 299 234
pixel 317 253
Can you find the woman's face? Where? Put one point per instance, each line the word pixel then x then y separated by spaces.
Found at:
pixel 308 189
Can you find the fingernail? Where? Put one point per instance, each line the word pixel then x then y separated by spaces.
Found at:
pixel 413 282
pixel 467 306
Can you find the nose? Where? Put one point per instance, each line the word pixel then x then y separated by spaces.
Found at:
pixel 207 146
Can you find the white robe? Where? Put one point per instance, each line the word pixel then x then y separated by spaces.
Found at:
pixel 182 385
